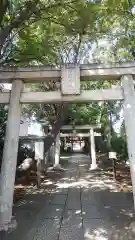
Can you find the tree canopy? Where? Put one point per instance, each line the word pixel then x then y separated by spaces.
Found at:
pixel 42 32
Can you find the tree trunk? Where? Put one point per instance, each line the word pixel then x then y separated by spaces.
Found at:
pixel 50 139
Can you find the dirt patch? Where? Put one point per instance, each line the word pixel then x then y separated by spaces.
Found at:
pixel 123 176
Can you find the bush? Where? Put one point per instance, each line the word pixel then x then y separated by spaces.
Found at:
pixel 119 145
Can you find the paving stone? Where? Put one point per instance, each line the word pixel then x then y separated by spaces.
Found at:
pixel 95 229
pixel 47 230
pixel 71 233
pixel 75 191
pixel 26 217
pixel 70 214
pixel 53 211
pixel 71 229
pixel 117 198
pixel 58 199
pixel 73 202
pixel 76 205
pixel 61 191
pixel 91 211
pixel 91 198
pixel 118 214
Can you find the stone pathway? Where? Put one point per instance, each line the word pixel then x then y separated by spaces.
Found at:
pixel 76 204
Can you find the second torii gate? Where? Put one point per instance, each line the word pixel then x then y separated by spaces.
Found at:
pixel 90 134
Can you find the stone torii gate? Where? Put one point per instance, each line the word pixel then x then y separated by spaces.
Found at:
pixel 70 76
pixel 91 136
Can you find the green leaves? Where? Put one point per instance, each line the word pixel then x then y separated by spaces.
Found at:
pixel 65 31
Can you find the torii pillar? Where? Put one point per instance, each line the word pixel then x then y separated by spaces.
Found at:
pixel 57 152
pixel 8 168
pixel 129 114
pixel 93 150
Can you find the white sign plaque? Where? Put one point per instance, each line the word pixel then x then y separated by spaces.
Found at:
pixel 39 150
pixel 112 155
pixel 70 79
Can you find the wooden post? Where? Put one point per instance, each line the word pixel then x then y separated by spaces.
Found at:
pixel 53 152
pixel 72 145
pixel 114 168
pixel 45 160
pixel 9 160
pixel 38 180
pixel 65 144
pixel 45 155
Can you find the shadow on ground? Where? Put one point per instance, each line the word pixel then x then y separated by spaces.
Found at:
pixel 75 203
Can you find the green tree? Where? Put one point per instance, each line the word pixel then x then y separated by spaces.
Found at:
pixel 15 15
pixel 57 32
